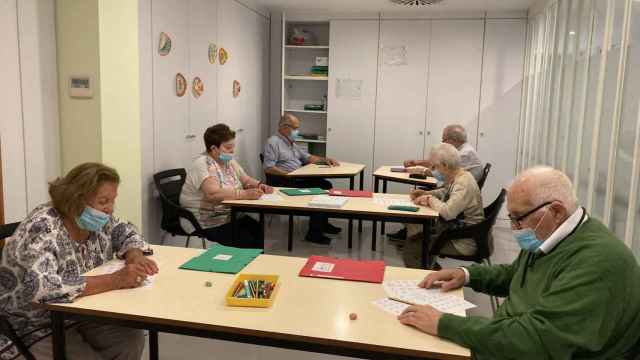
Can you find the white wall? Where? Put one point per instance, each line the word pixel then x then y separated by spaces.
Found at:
pixel 29 131
pixel 242 29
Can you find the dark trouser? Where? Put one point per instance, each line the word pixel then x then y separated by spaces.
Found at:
pixel 249 234
pixel 317 222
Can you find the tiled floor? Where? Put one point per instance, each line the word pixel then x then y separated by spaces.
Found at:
pixel 184 347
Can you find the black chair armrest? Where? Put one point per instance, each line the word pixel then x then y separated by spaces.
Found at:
pixel 462 232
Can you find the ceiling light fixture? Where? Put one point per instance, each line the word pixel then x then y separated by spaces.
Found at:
pixel 415 2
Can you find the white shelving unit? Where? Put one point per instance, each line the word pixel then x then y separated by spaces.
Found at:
pixel 299 87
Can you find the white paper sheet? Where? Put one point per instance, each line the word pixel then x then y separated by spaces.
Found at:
pixel 115 265
pixel 388 201
pixel 334 202
pixel 408 291
pixel 395 55
pixel 271 197
pixel 348 88
pixel 391 306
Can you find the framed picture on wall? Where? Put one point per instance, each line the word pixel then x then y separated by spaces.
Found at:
pixel 80 87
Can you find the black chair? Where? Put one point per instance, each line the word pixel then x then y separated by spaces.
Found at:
pixel 169 184
pixel 269 179
pixel 485 173
pixel 480 233
pixel 5 327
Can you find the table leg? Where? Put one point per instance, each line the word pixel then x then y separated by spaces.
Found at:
pixel 426 231
pixel 361 189
pixel 376 185
pixel 373 236
pixel 58 336
pixel 234 223
pixel 351 187
pixel 153 345
pixel 290 245
pixel 261 217
pixel 384 190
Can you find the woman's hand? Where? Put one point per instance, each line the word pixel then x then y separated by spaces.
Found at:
pixel 252 194
pixel 332 162
pixel 409 163
pixel 130 276
pixel 265 188
pixel 136 257
pixel 417 193
pixel 423 200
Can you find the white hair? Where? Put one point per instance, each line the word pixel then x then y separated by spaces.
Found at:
pixel 286 120
pixel 456 133
pixel 545 184
pixel 446 155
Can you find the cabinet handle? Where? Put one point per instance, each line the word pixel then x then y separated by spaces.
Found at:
pixel 420 132
pixel 482 134
pixel 190 136
pixel 239 130
pixel 428 132
pixel 328 129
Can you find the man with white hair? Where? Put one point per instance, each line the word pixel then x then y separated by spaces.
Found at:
pixel 572 293
pixel 455 135
pixel 458 203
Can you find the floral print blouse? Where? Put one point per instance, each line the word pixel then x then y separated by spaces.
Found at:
pixel 41 263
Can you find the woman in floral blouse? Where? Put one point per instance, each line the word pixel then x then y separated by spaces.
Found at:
pixel 43 261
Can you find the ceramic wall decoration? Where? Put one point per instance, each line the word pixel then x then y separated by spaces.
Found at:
pixel 164 45
pixel 236 88
pixel 181 85
pixel 197 87
pixel 213 53
pixel 223 56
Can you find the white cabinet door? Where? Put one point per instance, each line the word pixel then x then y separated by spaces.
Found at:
pixel 500 105
pixel 202 32
pixel 402 92
pixel 244 34
pixel 352 91
pixel 454 78
pixel 170 112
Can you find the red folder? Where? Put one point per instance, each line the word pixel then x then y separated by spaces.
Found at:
pixel 350 193
pixel 345 269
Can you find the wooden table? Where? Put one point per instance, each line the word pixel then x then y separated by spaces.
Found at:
pixel 310 314
pixel 385 174
pixel 343 171
pixel 355 208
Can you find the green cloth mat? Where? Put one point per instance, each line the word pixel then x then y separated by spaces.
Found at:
pixel 298 192
pixel 222 259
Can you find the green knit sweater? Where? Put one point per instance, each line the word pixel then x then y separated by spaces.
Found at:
pixel 580 301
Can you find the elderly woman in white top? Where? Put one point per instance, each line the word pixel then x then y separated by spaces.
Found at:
pixel 43 261
pixel 458 203
pixel 216 176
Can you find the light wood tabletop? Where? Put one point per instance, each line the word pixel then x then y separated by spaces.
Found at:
pixel 385 173
pixel 356 205
pixel 312 170
pixel 309 310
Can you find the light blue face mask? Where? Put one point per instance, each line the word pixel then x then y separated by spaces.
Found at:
pixel 527 238
pixel 92 219
pixel 294 134
pixel 436 174
pixel 226 157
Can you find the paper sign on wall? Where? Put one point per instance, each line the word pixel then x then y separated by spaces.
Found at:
pixel 348 88
pixel 395 55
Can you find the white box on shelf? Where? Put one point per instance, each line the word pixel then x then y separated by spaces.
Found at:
pixel 322 61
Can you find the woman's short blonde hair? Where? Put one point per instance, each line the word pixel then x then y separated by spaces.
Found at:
pixel 70 193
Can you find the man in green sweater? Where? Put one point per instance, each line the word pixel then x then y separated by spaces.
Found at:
pixel 572 293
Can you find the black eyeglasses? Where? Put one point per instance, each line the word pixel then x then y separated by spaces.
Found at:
pixel 516 220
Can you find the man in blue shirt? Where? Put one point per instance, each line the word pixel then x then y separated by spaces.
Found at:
pixel 282 156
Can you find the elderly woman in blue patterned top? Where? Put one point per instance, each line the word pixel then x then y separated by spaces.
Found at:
pixel 45 258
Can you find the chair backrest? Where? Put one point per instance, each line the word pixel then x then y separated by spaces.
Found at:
pixel 169 184
pixel 484 239
pixel 485 173
pixel 7 230
pixel 269 179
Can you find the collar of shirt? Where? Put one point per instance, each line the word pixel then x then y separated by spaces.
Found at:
pixel 563 231
pixel 286 140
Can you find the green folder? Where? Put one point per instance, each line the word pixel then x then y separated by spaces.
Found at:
pixel 299 192
pixel 222 259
